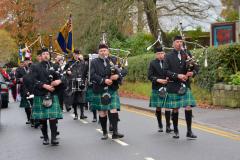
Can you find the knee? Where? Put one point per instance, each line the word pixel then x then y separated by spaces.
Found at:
pixel 175 110
pixel 188 108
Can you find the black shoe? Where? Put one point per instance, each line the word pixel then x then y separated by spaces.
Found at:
pixel 191 135
pixel 168 130
pixel 45 141
pixel 160 130
pixel 117 135
pixel 94 120
pixel 54 142
pixel 83 117
pixel 68 109
pixel 176 135
pixel 104 137
pixel 28 122
pixel 76 117
pixel 36 125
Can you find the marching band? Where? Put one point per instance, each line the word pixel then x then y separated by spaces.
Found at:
pixel 47 87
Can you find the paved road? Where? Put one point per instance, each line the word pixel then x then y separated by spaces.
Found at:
pixel 81 140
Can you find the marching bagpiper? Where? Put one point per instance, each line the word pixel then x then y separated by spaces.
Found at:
pixel 178 87
pixel 89 93
pixel 21 71
pixel 46 104
pixel 77 76
pixel 157 75
pixel 105 98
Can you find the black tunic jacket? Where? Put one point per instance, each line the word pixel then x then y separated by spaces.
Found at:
pixel 20 73
pixel 42 75
pixel 156 72
pixel 174 66
pixel 99 73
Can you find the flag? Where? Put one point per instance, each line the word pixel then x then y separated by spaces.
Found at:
pixel 20 55
pixel 64 39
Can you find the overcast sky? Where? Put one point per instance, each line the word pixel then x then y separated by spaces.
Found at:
pixel 190 23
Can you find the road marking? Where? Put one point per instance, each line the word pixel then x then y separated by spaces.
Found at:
pixel 81 120
pixel 148 158
pixel 116 140
pixel 195 125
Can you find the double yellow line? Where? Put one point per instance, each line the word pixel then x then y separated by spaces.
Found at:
pixel 182 122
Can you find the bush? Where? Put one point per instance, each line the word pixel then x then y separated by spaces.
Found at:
pixel 235 79
pixel 222 63
pixel 138 66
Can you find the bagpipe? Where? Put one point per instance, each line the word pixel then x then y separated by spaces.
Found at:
pixel 160 41
pixel 118 63
pixel 191 61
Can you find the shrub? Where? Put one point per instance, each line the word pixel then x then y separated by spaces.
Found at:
pixel 223 61
pixel 235 79
pixel 138 66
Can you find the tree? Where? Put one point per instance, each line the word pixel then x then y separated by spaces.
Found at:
pixel 230 13
pixel 8 46
pixel 155 10
pixel 19 19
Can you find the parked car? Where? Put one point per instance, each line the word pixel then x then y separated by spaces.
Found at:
pixel 4 92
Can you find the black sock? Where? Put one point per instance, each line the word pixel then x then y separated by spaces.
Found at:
pixel 28 112
pixel 94 114
pixel 82 109
pixel 114 122
pixel 103 121
pixel 175 121
pixel 159 118
pixel 44 128
pixel 75 109
pixel 53 127
pixel 168 117
pixel 188 117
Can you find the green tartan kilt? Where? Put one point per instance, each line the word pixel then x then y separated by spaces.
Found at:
pixel 24 103
pixel 177 101
pixel 89 94
pixel 97 105
pixel 156 100
pixel 40 112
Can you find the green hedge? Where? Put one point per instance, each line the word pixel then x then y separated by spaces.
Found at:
pixel 222 63
pixel 137 68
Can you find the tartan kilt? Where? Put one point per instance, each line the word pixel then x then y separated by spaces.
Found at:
pixel 40 112
pixel 89 94
pixel 97 105
pixel 177 101
pixel 156 100
pixel 24 103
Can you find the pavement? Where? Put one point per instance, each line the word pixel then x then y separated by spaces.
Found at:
pixel 225 119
